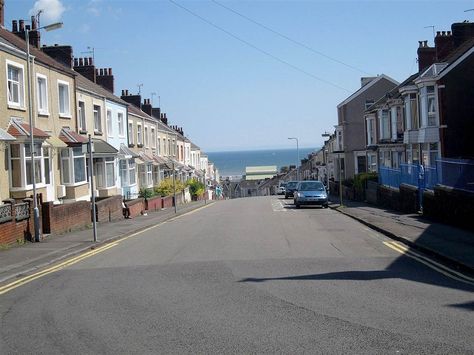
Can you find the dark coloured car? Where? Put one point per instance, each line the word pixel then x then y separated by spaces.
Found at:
pixel 290 188
pixel 311 193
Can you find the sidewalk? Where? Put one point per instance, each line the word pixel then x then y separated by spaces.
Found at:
pixel 31 256
pixel 446 243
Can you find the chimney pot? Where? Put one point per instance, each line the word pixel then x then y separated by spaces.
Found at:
pixel 443 33
pixel 22 25
pixel 123 92
pixel 448 33
pixel 91 61
pixel 110 71
pixel 420 44
pixel 14 26
pixel 425 43
pixel 33 23
pixel 28 27
pixel 81 62
pixel 438 33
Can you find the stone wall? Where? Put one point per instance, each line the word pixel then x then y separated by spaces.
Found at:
pixel 388 197
pixel 409 200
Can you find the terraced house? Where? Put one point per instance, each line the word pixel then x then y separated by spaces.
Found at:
pixel 60 168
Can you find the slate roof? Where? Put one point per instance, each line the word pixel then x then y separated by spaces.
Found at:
pixel 71 138
pixel 83 83
pixel 38 54
pixel 20 129
pixel 102 147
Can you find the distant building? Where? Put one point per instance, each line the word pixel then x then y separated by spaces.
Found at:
pixel 260 172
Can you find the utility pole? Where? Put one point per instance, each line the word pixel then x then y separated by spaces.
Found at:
pixel 174 190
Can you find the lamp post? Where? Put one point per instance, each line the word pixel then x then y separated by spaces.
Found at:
pixel 51 27
pixel 298 157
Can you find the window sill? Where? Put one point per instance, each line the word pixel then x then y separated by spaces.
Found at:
pixel 76 184
pixel 65 115
pixel 18 108
pixel 98 133
pixel 131 145
pixel 43 114
pixel 139 145
pixel 82 131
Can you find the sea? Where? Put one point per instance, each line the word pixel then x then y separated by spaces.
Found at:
pixel 232 164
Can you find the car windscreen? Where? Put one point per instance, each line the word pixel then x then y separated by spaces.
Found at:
pixel 291 185
pixel 311 186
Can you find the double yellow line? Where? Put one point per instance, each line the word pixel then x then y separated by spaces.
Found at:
pixel 27 279
pixel 453 274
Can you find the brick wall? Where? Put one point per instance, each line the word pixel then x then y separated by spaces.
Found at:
pixel 167 202
pixel 60 219
pixel 154 203
pixel 12 230
pixel 136 206
pixel 109 209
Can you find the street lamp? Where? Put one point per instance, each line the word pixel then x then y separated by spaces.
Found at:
pixel 51 27
pixel 298 156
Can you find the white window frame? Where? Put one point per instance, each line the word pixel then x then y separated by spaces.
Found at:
pixel 147 138
pixel 97 109
pixel 153 137
pixel 69 159
pixel 104 164
pixel 67 104
pixel 23 159
pixel 45 109
pixel 159 146
pixel 139 134
pixel 81 116
pixel 121 124
pixel 131 139
pixel 21 85
pixel 109 119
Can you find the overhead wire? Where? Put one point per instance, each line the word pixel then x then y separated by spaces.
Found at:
pixel 301 44
pixel 259 49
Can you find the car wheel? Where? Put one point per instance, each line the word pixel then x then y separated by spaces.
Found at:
pixel 297 205
pixel 325 206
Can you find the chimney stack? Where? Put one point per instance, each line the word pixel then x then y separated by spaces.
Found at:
pixel 426 55
pixel 156 112
pixel 146 107
pixel 33 33
pixel 135 100
pixel 164 119
pixel 2 13
pixel 444 45
pixel 105 79
pixel 86 68
pixel 61 54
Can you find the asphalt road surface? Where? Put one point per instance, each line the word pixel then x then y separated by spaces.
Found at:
pixel 250 275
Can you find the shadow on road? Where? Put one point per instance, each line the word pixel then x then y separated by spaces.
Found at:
pixel 402 268
pixel 469 306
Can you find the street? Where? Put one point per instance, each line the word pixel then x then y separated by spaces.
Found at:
pixel 250 275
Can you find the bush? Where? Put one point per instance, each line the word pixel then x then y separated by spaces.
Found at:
pixel 360 180
pixel 196 188
pixel 146 193
pixel 165 188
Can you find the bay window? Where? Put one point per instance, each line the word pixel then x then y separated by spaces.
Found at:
pixel 384 122
pixel 431 106
pixel 21 166
pixel 73 166
pixel 105 172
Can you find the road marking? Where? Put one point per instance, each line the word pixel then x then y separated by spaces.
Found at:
pixel 278 206
pixel 27 279
pixel 446 271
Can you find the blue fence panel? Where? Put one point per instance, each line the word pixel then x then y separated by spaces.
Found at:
pixel 389 177
pixel 409 174
pixel 431 177
pixel 457 173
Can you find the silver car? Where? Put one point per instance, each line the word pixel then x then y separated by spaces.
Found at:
pixel 310 192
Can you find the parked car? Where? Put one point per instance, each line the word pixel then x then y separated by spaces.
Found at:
pixel 290 188
pixel 281 188
pixel 311 192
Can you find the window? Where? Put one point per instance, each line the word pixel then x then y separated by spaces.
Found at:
pixel 149 174
pixel 414 120
pixel 384 124
pixel 132 171
pixel 372 162
pixel 38 157
pixel 47 165
pixel 15 85
pixel 22 166
pixel 431 103
pixel 153 138
pixel 370 131
pixel 110 130
pixel 42 91
pixel 156 175
pixel 146 136
pixel 159 146
pixel 81 112
pixel 73 166
pixel 63 95
pixel 105 172
pixel 97 119
pixel 145 175
pixel 139 134
pixel 130 133
pixel 121 130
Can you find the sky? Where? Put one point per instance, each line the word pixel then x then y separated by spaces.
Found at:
pixel 243 75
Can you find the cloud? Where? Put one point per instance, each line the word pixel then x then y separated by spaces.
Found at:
pixel 52 10
pixel 93 7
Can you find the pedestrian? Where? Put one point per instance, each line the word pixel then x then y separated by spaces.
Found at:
pixel 126 211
